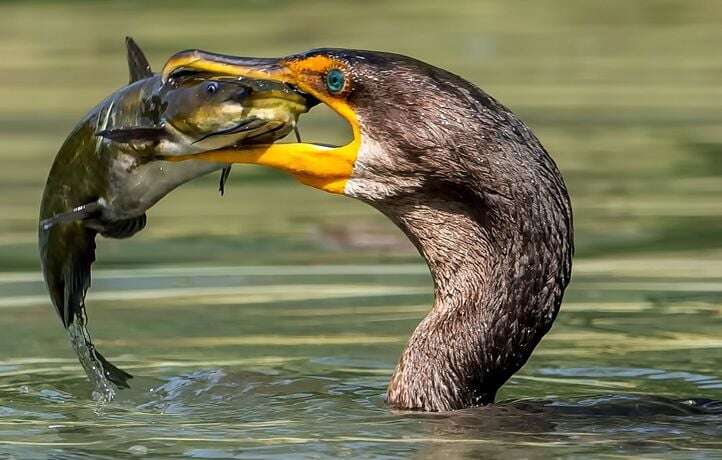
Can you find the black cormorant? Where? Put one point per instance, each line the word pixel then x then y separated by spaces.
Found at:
pixel 464 178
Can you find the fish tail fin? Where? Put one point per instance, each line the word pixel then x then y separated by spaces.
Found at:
pixel 113 373
pixel 67 252
pixel 105 377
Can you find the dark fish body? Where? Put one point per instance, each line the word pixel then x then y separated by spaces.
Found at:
pixel 110 170
pixel 127 178
pixel 125 181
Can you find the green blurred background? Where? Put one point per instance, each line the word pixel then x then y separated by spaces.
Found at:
pixel 626 96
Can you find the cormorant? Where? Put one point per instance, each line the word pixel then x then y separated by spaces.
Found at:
pixel 463 177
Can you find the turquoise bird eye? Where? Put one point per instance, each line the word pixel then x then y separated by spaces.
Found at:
pixel 334 80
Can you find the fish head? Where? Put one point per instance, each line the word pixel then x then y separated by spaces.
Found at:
pixel 216 111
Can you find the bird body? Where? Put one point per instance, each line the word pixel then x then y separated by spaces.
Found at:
pixel 463 177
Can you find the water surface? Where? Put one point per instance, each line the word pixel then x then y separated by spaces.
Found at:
pixel 268 322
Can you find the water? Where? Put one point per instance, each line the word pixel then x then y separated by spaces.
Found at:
pixel 268 322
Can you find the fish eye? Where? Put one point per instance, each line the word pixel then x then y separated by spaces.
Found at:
pixel 211 87
pixel 335 81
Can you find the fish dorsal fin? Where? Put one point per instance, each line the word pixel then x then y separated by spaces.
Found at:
pixel 138 64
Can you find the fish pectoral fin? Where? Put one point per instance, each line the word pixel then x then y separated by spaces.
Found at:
pixel 225 173
pixel 134 135
pixel 82 212
pixel 138 65
pixel 124 228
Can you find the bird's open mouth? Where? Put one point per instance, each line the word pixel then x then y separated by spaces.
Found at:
pixel 324 167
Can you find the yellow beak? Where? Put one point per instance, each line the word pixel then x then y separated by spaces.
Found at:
pixel 325 168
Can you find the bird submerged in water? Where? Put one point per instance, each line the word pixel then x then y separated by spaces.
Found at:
pixel 463 177
pixel 110 170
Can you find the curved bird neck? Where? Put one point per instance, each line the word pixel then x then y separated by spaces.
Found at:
pixel 485 205
pixel 497 290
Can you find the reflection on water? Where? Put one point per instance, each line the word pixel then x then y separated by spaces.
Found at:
pixel 269 321
pixel 277 360
pixel 227 412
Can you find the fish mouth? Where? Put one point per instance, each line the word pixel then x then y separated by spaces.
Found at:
pixel 269 109
pixel 254 131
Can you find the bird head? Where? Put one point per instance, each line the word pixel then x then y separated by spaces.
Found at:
pixel 404 115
